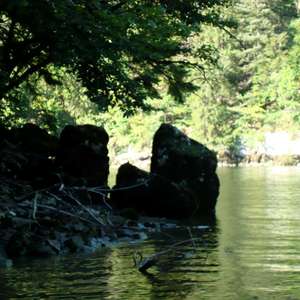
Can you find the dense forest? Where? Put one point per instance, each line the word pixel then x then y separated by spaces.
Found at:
pixel 225 74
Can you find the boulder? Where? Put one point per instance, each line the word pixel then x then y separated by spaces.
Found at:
pixel 27 153
pixel 4 260
pixel 150 194
pixel 83 156
pixel 30 138
pixel 188 164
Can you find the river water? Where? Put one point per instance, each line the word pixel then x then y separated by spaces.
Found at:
pixel 252 252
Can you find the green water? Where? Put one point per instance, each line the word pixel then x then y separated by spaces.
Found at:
pixel 253 252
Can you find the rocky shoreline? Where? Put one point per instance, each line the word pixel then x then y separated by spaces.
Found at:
pixel 143 159
pixel 57 228
pixel 256 159
pixel 55 199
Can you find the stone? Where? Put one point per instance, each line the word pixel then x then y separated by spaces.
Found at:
pixel 182 183
pixel 83 156
pixel 5 262
pixel 33 139
pixel 75 243
pixel 150 194
pixel 17 245
pixel 28 154
pixel 40 249
pixel 188 164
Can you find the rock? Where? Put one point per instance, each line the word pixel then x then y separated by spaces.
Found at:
pixel 83 156
pixel 33 139
pixel 127 233
pixel 188 164
pixel 75 243
pixel 40 249
pixel 4 261
pixel 28 154
pixel 150 194
pixel 12 161
pixel 17 245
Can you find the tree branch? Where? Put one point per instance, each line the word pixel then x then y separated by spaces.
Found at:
pixel 19 79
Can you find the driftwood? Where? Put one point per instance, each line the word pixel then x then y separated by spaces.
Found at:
pixel 55 199
pixel 59 192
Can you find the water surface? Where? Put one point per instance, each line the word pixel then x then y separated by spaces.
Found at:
pixel 253 252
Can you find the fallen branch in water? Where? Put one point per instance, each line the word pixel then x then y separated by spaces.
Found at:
pixel 143 264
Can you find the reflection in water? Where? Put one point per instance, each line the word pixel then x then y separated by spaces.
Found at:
pixel 260 242
pixel 253 252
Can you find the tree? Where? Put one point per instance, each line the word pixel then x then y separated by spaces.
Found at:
pixel 252 59
pixel 119 50
pixel 254 83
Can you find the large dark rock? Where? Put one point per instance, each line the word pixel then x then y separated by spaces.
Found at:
pixel 4 260
pixel 187 163
pixel 83 156
pixel 27 153
pixel 182 183
pixel 30 138
pixel 150 194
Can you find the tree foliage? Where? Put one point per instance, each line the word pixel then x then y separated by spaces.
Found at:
pixel 255 87
pixel 119 50
pixel 140 50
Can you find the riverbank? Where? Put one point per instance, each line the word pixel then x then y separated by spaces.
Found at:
pixel 53 221
pixel 142 159
pixel 55 198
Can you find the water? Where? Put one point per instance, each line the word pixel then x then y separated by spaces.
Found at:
pixel 253 252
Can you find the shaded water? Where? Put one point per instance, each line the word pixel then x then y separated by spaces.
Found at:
pixel 253 252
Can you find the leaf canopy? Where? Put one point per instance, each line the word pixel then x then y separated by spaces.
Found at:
pixel 120 50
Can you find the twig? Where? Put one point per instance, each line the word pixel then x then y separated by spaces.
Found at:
pixel 145 182
pixel 58 210
pixel 61 200
pixel 192 238
pixel 36 196
pixel 69 194
pixel 34 192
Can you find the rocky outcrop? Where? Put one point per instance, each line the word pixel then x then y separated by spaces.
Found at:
pixel 187 163
pixel 47 207
pixel 78 157
pixel 83 156
pixel 182 182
